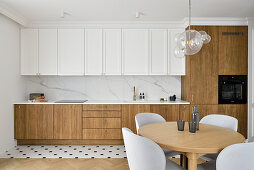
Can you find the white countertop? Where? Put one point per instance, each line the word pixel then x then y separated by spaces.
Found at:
pixel 110 102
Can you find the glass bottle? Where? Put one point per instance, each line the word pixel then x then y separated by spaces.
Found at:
pixel 195 116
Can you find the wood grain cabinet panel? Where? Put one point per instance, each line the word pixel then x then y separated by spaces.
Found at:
pixel 239 111
pixel 34 121
pixel 20 121
pixel 101 113
pixel 67 121
pixel 184 112
pixel 102 107
pixel 169 112
pixel 233 50
pixel 102 134
pixel 101 123
pixel 204 70
pixel 128 114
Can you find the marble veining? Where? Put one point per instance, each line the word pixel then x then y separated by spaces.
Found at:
pixel 103 87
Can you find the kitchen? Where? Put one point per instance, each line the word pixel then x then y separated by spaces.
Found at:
pixel 118 69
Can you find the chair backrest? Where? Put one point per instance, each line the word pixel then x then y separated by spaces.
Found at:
pixel 143 153
pixel 142 119
pixel 236 157
pixel 221 120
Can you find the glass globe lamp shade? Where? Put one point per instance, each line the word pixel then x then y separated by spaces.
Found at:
pixel 205 37
pixel 179 53
pixel 193 42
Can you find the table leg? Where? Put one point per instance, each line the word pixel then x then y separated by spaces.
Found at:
pixel 192 160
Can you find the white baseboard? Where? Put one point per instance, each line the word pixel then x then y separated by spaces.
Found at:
pixel 6 146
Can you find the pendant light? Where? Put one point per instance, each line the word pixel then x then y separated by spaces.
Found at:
pixel 190 41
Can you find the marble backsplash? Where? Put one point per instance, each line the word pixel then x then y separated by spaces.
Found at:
pixel 103 87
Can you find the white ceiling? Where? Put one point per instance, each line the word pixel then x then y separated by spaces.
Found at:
pixel 124 10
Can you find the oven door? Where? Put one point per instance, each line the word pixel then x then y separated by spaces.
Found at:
pixel 232 92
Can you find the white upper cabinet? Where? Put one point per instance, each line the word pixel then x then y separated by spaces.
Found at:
pixel 135 51
pixel 112 48
pixel 71 52
pixel 158 52
pixel 29 51
pixel 48 51
pixel 176 65
pixel 93 52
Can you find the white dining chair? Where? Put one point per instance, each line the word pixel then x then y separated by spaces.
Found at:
pixel 144 154
pixel 234 157
pixel 142 119
pixel 222 121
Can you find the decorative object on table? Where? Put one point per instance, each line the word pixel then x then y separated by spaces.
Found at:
pixel 195 116
pixel 180 125
pixel 190 41
pixel 163 99
pixel 134 94
pixel 192 127
pixel 172 98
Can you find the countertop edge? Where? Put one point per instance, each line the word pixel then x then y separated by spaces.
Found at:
pixel 109 102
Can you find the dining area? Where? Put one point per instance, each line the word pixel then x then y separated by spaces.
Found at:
pixel 212 143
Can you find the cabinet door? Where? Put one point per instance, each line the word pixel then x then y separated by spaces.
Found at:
pixel 71 52
pixel 135 51
pixel 34 121
pixel 67 121
pixel 20 121
pixel 233 50
pixel 93 52
pixel 204 70
pixel 48 51
pixel 128 114
pixel 158 52
pixel 39 123
pixel 176 65
pixel 112 47
pixel 168 111
pixel 29 51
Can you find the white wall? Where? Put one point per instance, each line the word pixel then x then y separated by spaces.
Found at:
pixel 11 84
pixel 251 79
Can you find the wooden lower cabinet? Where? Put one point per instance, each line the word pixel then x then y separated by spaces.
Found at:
pixel 76 124
pixel 100 134
pixel 239 111
pixel 33 121
pixel 67 121
pixel 169 112
pixel 128 114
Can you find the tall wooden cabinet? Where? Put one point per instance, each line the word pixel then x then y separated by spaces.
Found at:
pixel 226 54
pixel 233 50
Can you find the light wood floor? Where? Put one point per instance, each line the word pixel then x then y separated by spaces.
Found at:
pixel 66 164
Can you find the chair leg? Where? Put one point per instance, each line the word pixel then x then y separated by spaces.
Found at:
pixel 186 162
pixel 181 160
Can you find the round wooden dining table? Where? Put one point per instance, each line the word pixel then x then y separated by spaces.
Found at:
pixel 208 139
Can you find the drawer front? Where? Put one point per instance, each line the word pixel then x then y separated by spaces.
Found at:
pixel 102 134
pixel 101 113
pixel 102 107
pixel 93 123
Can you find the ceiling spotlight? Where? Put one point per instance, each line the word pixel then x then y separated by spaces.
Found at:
pixel 64 14
pixel 138 14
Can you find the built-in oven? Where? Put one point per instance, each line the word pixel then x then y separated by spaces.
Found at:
pixel 232 89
